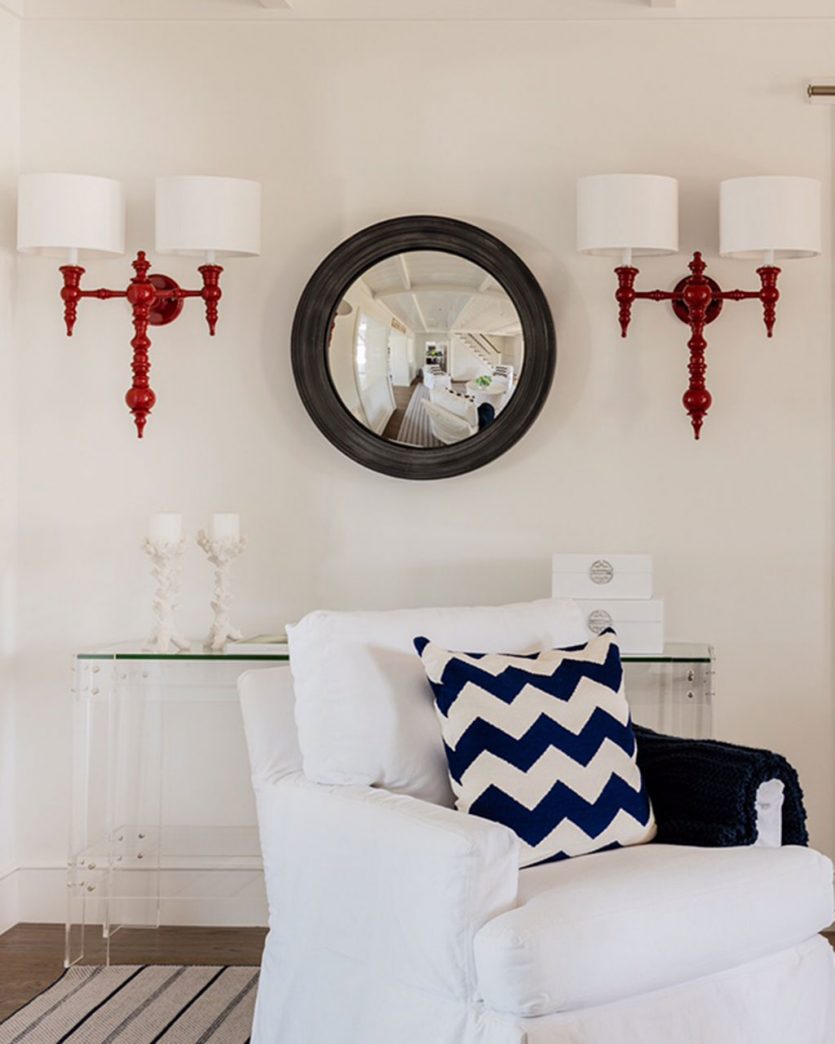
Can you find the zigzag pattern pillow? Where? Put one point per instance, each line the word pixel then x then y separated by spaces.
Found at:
pixel 543 744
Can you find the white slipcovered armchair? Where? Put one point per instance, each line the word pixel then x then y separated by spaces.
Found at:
pixel 449 427
pixel 394 920
pixel 435 377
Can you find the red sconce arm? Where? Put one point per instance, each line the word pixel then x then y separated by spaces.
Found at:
pixel 626 294
pixel 697 300
pixel 768 294
pixel 71 294
pixel 210 292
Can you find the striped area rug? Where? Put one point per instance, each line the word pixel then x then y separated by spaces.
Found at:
pixel 151 1004
pixel 415 428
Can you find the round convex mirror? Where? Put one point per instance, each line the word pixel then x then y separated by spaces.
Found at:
pixel 427 349
pixel 423 347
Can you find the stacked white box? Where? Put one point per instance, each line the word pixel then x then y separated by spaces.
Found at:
pixel 614 591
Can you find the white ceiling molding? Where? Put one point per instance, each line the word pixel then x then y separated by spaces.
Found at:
pixel 422 10
pixel 439 288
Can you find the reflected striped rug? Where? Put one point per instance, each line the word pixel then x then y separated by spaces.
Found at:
pixel 415 428
pixel 151 1004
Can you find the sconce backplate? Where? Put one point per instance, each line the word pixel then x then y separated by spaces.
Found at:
pixel 713 309
pixel 166 309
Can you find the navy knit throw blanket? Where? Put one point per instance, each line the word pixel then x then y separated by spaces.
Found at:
pixel 703 792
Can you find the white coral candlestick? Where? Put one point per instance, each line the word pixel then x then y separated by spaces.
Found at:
pixel 220 552
pixel 165 558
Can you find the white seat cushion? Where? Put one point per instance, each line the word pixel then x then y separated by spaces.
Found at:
pixel 364 708
pixel 615 924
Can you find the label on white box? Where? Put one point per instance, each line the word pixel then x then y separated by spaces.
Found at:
pixel 638 623
pixel 601 575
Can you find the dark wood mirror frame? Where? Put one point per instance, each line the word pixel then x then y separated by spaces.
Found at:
pixel 316 312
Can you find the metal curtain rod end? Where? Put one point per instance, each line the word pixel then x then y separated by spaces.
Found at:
pixel 817 92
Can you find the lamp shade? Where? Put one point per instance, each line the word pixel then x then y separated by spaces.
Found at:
pixel 59 213
pixel 198 215
pixel 765 214
pixel 619 212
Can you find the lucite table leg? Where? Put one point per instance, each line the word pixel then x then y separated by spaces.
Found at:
pixel 78 839
pixel 86 863
pixel 134 802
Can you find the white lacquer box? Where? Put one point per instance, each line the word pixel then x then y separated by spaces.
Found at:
pixel 639 623
pixel 602 576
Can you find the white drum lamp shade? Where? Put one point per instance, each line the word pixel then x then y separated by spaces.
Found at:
pixel 770 215
pixel 208 215
pixel 627 212
pixel 62 213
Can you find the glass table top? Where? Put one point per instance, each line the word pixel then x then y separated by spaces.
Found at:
pixel 277 652
pixel 674 652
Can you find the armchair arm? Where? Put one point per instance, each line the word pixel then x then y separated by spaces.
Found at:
pixel 388 883
pixel 708 793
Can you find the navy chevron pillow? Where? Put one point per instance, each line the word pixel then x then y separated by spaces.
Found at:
pixel 543 744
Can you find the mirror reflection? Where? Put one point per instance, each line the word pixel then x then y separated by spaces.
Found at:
pixel 426 349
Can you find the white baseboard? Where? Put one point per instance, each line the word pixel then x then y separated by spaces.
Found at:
pixel 205 897
pixel 9 900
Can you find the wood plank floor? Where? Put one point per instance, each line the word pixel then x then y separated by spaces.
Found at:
pixel 402 398
pixel 32 955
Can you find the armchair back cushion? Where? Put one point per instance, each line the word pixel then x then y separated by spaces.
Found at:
pixel 364 708
pixel 269 723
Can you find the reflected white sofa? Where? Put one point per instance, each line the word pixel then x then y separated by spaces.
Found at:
pixel 435 377
pixel 397 921
pixel 507 372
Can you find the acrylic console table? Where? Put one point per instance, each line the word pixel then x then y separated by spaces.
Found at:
pixel 163 826
pixel 672 691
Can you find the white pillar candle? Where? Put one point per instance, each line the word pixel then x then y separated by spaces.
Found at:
pixel 166 528
pixel 225 527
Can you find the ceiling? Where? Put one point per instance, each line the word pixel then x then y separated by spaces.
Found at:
pixel 433 292
pixel 410 10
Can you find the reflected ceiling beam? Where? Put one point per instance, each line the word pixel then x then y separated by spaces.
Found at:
pixel 277 5
pixel 404 272
pixel 453 323
pixel 485 284
pixel 406 277
pixel 663 3
pixel 416 303
pixel 420 314
pixel 440 288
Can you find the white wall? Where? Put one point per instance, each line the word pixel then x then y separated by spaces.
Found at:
pixel 740 523
pixel 513 352
pixel 9 143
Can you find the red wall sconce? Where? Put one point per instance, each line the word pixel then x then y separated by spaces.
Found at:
pixel 629 215
pixel 77 215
